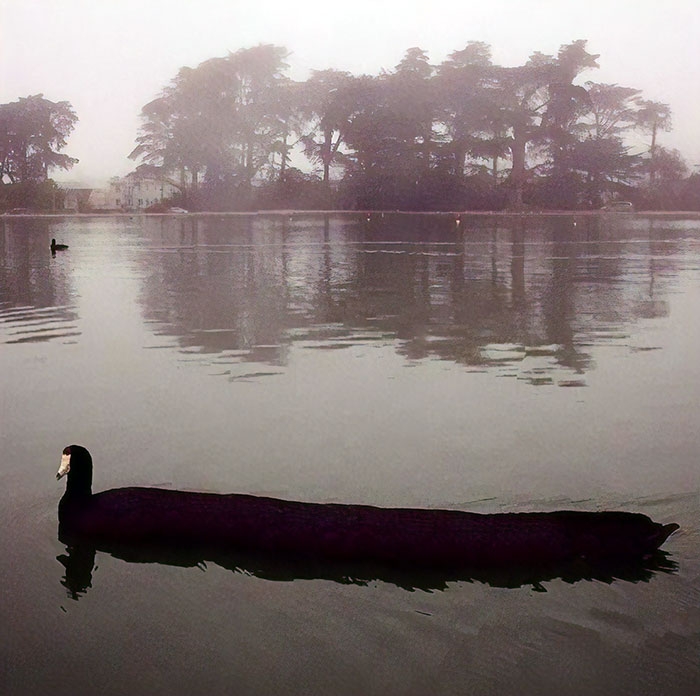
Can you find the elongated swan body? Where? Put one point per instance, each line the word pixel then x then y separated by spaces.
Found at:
pixel 393 536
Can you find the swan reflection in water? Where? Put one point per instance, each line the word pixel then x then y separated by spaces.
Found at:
pixel 285 540
pixel 79 563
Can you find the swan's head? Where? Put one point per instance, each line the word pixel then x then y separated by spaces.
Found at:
pixel 76 463
pixel 64 468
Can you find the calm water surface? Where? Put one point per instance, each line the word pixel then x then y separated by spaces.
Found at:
pixel 501 365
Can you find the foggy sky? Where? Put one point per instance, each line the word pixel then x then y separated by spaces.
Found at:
pixel 110 57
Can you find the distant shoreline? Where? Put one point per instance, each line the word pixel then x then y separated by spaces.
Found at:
pixel 687 214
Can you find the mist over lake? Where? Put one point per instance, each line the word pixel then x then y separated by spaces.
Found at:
pixel 493 364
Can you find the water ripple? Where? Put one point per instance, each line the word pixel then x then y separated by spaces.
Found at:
pixel 37 324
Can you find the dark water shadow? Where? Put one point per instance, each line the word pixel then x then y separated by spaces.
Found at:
pixel 79 563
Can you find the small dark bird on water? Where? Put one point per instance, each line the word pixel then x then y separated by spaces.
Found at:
pixel 394 536
pixel 57 247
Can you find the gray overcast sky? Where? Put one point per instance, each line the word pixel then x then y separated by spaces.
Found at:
pixel 110 57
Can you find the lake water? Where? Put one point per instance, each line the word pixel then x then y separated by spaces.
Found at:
pixel 502 364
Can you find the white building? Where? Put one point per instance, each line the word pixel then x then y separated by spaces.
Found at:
pixel 76 196
pixel 136 192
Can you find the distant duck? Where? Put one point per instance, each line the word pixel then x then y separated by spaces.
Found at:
pixel 57 247
pixel 397 537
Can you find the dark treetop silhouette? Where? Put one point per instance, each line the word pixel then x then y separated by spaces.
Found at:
pixel 286 539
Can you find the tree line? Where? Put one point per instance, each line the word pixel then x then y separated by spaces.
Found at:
pixel 237 133
pixel 33 131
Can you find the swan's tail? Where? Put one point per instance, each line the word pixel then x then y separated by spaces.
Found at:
pixel 663 532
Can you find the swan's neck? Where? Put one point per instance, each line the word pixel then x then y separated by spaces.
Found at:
pixel 78 488
pixel 72 502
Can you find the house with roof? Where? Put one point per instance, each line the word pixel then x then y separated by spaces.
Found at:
pixel 137 192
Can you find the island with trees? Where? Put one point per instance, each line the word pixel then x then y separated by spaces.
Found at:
pixel 236 133
pixel 33 131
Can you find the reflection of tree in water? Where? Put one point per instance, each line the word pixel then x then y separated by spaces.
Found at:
pixel 503 292
pixel 216 287
pixel 35 290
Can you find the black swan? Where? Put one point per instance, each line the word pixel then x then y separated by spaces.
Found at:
pixel 139 518
pixel 57 247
